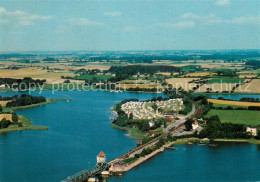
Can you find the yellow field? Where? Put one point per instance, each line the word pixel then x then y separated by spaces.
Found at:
pixel 200 74
pixel 35 73
pixel 182 82
pixel 93 66
pixel 252 87
pixel 3 103
pixel 6 116
pixel 247 76
pixel 234 103
pixel 216 87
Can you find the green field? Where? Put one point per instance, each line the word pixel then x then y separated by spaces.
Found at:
pixel 89 77
pixel 224 106
pixel 26 125
pixel 225 80
pixel 237 116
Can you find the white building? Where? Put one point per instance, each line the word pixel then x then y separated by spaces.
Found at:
pixel 252 130
pixel 151 124
pixel 195 125
pixel 101 158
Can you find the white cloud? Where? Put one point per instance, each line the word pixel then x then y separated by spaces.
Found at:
pixel 21 17
pixel 84 22
pixel 244 20
pixel 222 3
pixel 113 13
pixel 181 24
pixel 214 19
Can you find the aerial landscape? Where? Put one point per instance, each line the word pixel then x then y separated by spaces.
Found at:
pixel 129 91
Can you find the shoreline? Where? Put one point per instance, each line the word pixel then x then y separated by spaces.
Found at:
pixel 49 101
pixel 27 121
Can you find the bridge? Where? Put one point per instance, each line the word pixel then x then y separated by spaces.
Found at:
pixel 84 175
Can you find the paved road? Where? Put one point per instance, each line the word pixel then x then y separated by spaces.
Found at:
pixel 180 121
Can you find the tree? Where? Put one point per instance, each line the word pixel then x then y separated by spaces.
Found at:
pixel 188 124
pixel 154 106
pixel 131 116
pixel 4 123
pixel 14 117
pixel 1 108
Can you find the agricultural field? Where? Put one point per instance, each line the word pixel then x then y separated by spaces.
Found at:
pixel 237 116
pixel 3 103
pixel 6 116
pixel 199 74
pixel 216 87
pixel 89 77
pixel 233 103
pixel 225 80
pixel 37 73
pixel 182 82
pixel 252 87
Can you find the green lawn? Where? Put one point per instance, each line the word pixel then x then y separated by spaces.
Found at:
pixel 89 77
pixel 237 116
pixel 225 80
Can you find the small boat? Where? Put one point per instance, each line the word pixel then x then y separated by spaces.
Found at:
pixel 190 143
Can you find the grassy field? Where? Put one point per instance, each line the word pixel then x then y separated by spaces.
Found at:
pixel 134 133
pixel 237 116
pixel 226 80
pixel 89 77
pixel 234 103
pixel 26 125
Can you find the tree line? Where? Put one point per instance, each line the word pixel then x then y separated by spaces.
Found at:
pixel 24 100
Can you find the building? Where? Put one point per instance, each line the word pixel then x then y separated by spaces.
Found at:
pixel 252 130
pixel 195 125
pixel 101 158
pixel 151 124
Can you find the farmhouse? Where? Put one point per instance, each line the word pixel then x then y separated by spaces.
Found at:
pixel 252 130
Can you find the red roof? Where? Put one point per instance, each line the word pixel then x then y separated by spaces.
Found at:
pixel 101 154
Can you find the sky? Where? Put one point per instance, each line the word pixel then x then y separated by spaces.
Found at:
pixel 70 25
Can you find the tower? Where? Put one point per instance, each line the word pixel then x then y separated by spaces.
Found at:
pixel 101 158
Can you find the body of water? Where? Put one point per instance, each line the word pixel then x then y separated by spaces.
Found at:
pixel 234 96
pixel 79 130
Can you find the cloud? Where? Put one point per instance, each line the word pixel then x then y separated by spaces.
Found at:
pixel 83 22
pixel 214 19
pixel 181 24
pixel 244 20
pixel 21 17
pixel 222 3
pixel 113 13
